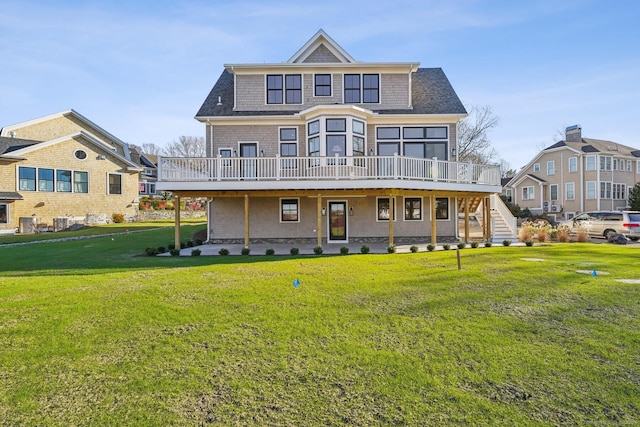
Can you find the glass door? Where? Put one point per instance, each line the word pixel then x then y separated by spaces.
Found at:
pixel 249 167
pixel 337 221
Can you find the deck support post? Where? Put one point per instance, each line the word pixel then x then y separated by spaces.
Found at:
pixel 392 201
pixel 176 204
pixel 466 219
pixel 319 216
pixel 246 220
pixel 434 238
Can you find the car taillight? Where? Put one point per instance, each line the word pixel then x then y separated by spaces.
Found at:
pixel 631 225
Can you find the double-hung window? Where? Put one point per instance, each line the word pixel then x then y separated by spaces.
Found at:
pixel 115 183
pixel 591 163
pixel 573 164
pixel 554 191
pixel 288 146
pixel 442 208
pixel 413 209
pixel 80 182
pixel 322 85
pixel 293 87
pixel 289 210
pixel 63 178
pixel 363 88
pixel 45 180
pixel 528 193
pixel 569 191
pixel 605 163
pixel 274 89
pixel 591 190
pixel 551 167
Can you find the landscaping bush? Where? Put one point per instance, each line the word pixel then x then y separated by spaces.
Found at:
pixel 151 251
pixel 506 242
pixel 162 249
pixel 317 250
pixel 223 252
pixel 171 246
pixel 487 244
pixel 344 250
pixel 528 242
pixel 270 251
pixel 391 249
pixel 431 247
pixel 462 245
pixel 364 249
pixel 563 235
pixel 582 235
pixel 446 246
pixel 474 245
pixel 294 251
pixel 525 234
pixel 199 242
pixel 542 235
pixel 413 249
pixel 117 217
pixel 196 252
pixel 190 244
pixel 245 251
pixel 183 245
pixel 175 252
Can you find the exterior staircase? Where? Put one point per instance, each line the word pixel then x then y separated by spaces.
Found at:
pixel 503 223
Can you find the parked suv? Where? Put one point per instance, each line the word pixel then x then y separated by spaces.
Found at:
pixel 606 223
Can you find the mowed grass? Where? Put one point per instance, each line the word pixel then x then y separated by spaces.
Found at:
pixel 92 335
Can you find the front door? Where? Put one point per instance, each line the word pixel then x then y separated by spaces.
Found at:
pixel 248 167
pixel 337 221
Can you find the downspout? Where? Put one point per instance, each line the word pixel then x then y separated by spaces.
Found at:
pixel 235 89
pixel 598 195
pixel 582 184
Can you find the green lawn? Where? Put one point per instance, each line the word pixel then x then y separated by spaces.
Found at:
pixel 91 333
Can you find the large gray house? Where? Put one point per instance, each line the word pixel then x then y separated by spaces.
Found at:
pixel 323 148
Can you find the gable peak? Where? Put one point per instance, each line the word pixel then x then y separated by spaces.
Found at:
pixel 321 41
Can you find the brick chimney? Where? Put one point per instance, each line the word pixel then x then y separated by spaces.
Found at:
pixel 573 134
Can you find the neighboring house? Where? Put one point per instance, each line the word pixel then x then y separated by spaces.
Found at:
pixel 149 173
pixel 326 149
pixel 576 175
pixel 62 169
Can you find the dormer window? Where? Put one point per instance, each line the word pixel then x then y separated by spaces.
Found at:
pixel 287 88
pixel 361 88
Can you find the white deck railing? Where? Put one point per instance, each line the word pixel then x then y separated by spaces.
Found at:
pixel 200 169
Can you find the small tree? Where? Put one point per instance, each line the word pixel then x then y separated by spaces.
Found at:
pixel 634 197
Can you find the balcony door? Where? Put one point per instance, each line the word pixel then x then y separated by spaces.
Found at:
pixel 337 221
pixel 249 167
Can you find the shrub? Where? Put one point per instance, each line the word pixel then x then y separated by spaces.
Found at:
pixel 175 252
pixel 391 249
pixel 462 245
pixel 117 217
pixel 446 246
pixel 431 247
pixel 317 250
pixel 553 234
pixel 364 249
pixel 162 249
pixel 270 251
pixel 474 245
pixel 582 235
pixel 245 251
pixel 542 235
pixel 199 242
pixel 223 251
pixel 563 235
pixel 151 251
pixel 506 242
pixel 190 243
pixel 529 242
pixel 487 244
pixel 183 245
pixel 413 249
pixel 196 252
pixel 171 246
pixel 344 250
pixel 294 251
pixel 525 234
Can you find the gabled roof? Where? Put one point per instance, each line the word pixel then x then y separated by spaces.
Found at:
pixel 431 91
pixel 7 145
pixel 318 41
pixel 515 181
pixel 6 131
pixel 590 145
pixel 99 144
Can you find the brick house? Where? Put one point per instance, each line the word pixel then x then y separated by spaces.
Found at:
pixel 323 148
pixel 62 169
pixel 576 175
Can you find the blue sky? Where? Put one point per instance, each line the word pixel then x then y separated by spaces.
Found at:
pixel 141 69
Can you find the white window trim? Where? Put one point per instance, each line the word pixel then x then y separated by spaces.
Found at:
pixel 595 163
pixel 531 190
pixel 566 190
pixel 73 182
pixel 330 86
pixel 638 166
pixel 284 88
pixel 575 159
pixel 296 141
pixel 121 184
pixel 421 209
pixel 595 191
pixel 361 100
pixel 551 193
pixel 297 199
pixel 536 167
pixel 551 164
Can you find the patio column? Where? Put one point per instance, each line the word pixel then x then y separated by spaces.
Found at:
pixel 487 217
pixel 176 210
pixel 246 220
pixel 434 239
pixel 319 216
pixel 391 217
pixel 466 219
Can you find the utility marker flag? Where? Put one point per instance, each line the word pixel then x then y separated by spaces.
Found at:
pixel 594 273
pixel 296 283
